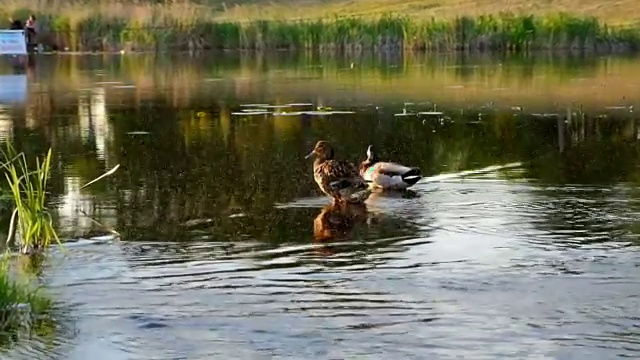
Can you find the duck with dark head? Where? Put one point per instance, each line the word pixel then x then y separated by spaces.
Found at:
pixel 387 175
pixel 337 178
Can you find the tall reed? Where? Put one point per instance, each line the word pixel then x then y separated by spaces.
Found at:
pixel 155 30
pixel 31 222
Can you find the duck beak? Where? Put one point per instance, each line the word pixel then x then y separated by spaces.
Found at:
pixel 310 154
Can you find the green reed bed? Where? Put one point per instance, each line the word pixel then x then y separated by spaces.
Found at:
pixel 500 32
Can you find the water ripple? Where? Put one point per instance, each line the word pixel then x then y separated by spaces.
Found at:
pixel 507 263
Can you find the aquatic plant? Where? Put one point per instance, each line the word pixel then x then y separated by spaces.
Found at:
pixel 31 222
pixel 22 304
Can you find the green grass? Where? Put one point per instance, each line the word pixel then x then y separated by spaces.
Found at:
pixel 158 29
pixel 31 223
pixel 22 305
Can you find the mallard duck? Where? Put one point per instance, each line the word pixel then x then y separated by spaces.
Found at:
pixel 387 175
pixel 337 178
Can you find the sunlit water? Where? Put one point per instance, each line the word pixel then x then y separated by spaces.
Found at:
pixel 520 242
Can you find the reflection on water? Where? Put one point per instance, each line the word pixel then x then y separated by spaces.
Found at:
pixel 519 241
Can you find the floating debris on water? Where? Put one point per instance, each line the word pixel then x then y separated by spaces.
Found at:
pixel 253 110
pixel 342 112
pixel 138 133
pixel 197 222
pixel 300 104
pixel 619 107
pixel 292 113
pixel 108 173
pixel 274 106
pixel 317 112
pixel 213 79
pixel 544 115
pixel 101 239
pixel 254 105
pixel 249 113
pixel 430 113
pixel 108 82
pixel 124 87
pixel 405 112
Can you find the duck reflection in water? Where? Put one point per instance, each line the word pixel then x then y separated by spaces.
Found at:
pixel 336 221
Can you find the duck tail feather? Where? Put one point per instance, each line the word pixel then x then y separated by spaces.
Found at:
pixel 412 176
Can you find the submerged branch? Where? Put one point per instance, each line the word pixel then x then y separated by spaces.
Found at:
pixel 108 173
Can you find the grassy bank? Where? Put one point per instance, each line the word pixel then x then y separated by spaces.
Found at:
pixel 23 308
pixel 186 26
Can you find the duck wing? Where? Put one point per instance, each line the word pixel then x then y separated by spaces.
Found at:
pixel 393 169
pixel 339 174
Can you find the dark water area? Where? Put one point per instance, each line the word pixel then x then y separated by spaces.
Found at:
pixel 520 242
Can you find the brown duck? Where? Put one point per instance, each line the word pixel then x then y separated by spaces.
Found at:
pixel 337 178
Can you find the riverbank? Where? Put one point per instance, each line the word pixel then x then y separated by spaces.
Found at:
pixel 388 33
pixel 23 308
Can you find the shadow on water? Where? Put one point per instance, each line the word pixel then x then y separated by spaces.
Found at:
pixel 530 164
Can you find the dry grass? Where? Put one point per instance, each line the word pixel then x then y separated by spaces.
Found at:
pixel 613 11
pixel 77 11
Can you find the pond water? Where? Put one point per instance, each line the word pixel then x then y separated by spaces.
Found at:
pixel 520 242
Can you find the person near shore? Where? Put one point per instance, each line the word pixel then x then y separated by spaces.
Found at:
pixel 31 29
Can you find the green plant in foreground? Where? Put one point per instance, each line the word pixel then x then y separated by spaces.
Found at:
pixel 22 306
pixel 31 220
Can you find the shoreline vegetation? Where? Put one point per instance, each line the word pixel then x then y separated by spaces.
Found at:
pixel 31 233
pixel 23 307
pixel 187 26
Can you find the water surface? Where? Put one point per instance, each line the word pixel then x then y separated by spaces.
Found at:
pixel 521 241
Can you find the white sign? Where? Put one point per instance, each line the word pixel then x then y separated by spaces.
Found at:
pixel 13 89
pixel 13 42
